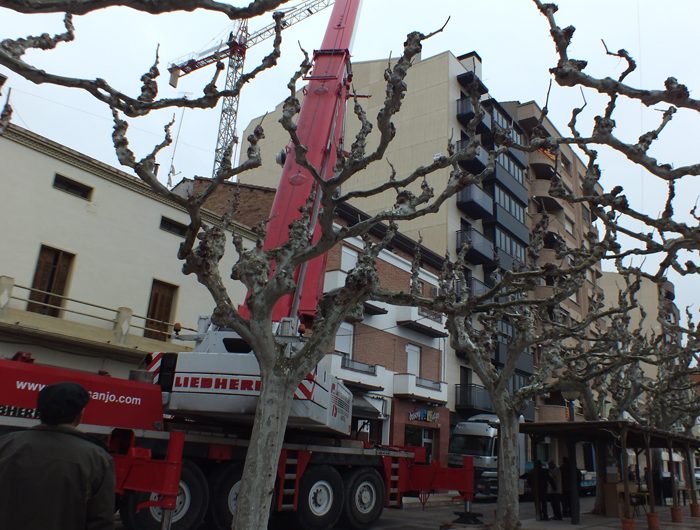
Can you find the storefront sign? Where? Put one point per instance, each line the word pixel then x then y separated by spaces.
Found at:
pixel 424 415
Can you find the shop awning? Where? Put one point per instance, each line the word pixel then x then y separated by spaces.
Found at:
pixel 365 408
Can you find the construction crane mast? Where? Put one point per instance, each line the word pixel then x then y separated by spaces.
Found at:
pixel 239 41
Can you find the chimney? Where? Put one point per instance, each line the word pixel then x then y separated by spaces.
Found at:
pixel 472 62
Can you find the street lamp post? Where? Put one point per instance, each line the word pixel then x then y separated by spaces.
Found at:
pixel 569 395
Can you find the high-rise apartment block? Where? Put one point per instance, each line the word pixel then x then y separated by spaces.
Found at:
pixel 495 216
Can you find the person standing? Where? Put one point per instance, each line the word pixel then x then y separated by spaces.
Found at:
pixel 52 476
pixel 555 495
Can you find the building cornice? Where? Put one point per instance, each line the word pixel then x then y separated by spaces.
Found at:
pixel 41 144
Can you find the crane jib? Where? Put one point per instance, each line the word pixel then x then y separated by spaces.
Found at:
pixel 319 128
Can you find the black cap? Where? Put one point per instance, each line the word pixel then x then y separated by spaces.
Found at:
pixel 61 403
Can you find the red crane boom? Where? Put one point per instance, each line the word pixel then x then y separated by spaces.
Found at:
pixel 320 129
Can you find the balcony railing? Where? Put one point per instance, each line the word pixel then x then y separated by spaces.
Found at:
pixel 432 315
pixel 409 385
pixel 120 320
pixel 421 320
pixel 428 383
pixel 357 366
pixel 472 397
pixel 465 112
pixel 481 249
pixel 475 202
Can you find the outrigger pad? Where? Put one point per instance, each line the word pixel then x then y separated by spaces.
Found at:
pixel 469 518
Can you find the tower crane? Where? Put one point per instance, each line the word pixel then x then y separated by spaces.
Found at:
pixel 238 43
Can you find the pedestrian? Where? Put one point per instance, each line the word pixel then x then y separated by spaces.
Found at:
pixel 555 495
pixel 52 476
pixel 565 474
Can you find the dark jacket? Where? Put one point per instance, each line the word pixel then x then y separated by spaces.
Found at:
pixel 54 478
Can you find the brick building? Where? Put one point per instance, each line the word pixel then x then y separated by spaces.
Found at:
pixel 393 359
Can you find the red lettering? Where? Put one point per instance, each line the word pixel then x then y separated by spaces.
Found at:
pixel 258 385
pixel 233 384
pixel 206 382
pixel 194 382
pixel 246 384
pixel 178 382
pixel 220 382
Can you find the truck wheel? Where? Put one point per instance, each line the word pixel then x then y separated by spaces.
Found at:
pixel 364 498
pixel 320 498
pixel 192 502
pixel 224 485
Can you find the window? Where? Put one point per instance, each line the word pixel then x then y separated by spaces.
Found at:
pixel 586 215
pixel 510 204
pixel 343 339
pixel 509 245
pixel 566 163
pixel 413 359
pixel 73 187
pixel 169 225
pixel 160 310
pixel 501 119
pixel 512 167
pixel 50 281
pixel 348 259
pixel 568 225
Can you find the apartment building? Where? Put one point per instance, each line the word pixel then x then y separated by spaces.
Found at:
pixel 392 358
pixel 493 216
pixel 89 275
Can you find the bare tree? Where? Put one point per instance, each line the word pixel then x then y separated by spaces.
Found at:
pixel 473 321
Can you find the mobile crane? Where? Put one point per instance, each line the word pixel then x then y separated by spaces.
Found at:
pixel 179 442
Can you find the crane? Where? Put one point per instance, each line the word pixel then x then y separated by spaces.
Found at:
pixel 235 48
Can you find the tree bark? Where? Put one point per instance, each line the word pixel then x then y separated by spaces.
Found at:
pixel 260 471
pixel 600 452
pixel 507 508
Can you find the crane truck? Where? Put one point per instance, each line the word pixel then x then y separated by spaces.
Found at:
pixel 178 432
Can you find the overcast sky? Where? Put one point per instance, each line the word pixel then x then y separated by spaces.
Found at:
pixel 510 35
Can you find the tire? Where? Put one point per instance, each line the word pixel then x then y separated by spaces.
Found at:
pixel 223 492
pixel 192 503
pixel 364 498
pixel 320 498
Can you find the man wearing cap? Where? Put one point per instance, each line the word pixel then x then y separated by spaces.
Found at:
pixel 52 477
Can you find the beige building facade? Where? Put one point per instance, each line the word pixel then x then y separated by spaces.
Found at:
pixel 89 275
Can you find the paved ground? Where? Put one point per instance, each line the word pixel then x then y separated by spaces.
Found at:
pixel 439 515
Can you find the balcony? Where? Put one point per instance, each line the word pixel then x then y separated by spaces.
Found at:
pixel 505 261
pixel 414 387
pixel 80 327
pixel 476 164
pixel 481 249
pixel 465 113
pixel 478 287
pixel 475 202
pixel 474 397
pixel 334 280
pixel 505 219
pixel 542 171
pixel 469 79
pixel 421 320
pixel 529 411
pixel 503 176
pixel 540 192
pixel 357 366
pixel 358 374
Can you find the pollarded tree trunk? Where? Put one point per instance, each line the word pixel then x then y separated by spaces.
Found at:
pixel 507 508
pixel 260 471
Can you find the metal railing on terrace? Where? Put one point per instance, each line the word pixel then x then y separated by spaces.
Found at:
pixel 54 305
pixel 357 366
pixel 473 397
pixel 428 383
